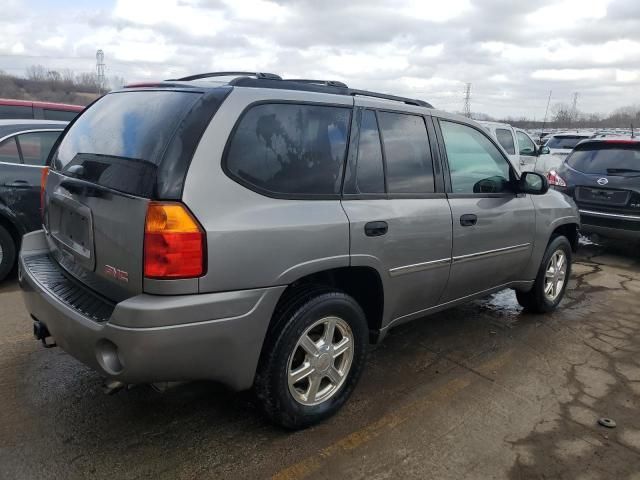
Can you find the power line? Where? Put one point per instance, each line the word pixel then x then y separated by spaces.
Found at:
pixel 466 110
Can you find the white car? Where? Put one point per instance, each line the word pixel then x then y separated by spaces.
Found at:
pixel 556 149
pixel 517 143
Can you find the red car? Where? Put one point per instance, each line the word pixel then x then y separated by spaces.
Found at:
pixel 15 109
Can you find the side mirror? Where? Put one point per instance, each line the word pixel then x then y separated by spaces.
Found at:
pixel 544 150
pixel 533 183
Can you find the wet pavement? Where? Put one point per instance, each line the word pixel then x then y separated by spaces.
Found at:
pixel 480 391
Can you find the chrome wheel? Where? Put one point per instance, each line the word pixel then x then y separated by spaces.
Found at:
pixel 555 275
pixel 320 361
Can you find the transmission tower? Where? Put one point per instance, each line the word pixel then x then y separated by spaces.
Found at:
pixel 100 70
pixel 574 107
pixel 466 111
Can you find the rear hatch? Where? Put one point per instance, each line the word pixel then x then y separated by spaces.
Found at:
pixel 128 148
pixel 605 176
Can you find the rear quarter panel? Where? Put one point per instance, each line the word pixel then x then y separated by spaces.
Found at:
pixel 552 210
pixel 255 241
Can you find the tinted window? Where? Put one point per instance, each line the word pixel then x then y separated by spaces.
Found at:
pixel 475 164
pixel 565 141
pixel 611 159
pixel 290 149
pixel 119 141
pixel 36 146
pixel 59 114
pixel 9 151
pixel 370 174
pixel 526 145
pixel 407 154
pixel 505 138
pixel 14 111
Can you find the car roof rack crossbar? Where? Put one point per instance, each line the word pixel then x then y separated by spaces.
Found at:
pixel 326 83
pixel 408 101
pixel 261 75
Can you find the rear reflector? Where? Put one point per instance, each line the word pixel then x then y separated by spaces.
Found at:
pixel 43 185
pixel 174 243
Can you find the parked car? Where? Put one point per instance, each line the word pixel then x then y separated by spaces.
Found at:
pixel 24 147
pixel 26 109
pixel 260 232
pixel 519 146
pixel 556 149
pixel 603 176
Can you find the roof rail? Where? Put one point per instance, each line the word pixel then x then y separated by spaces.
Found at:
pixel 261 75
pixel 326 83
pixel 408 101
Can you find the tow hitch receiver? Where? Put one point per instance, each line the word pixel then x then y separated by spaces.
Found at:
pixel 41 332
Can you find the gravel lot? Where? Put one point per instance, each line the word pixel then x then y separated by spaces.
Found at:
pixel 481 391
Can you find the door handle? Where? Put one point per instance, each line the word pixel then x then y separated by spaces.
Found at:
pixel 18 184
pixel 468 220
pixel 376 229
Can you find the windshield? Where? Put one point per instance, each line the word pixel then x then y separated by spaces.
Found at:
pixel 623 160
pixel 120 140
pixel 567 142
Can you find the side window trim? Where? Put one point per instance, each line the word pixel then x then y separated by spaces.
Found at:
pixel 285 196
pixel 384 153
pixel 447 174
pixel 14 137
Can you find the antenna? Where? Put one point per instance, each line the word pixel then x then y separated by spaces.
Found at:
pixel 100 70
pixel 466 111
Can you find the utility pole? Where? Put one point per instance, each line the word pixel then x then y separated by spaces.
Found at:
pixel 546 110
pixel 466 111
pixel 574 107
pixel 100 66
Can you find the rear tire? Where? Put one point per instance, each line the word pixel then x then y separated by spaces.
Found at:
pixel 549 286
pixel 7 253
pixel 312 358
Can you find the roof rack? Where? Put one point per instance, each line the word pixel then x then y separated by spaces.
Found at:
pixel 262 75
pixel 326 83
pixel 271 80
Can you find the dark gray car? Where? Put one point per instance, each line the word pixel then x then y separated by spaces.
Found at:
pixel 260 232
pixel 24 147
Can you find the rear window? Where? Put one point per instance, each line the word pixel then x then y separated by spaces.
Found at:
pixel 603 159
pixel 290 149
pixel 66 115
pixel 566 142
pixel 120 140
pixel 15 111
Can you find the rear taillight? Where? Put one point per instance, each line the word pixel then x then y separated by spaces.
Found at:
pixel 43 185
pixel 174 243
pixel 555 179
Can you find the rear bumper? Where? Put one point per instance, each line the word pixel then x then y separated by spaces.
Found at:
pixel 610 225
pixel 149 338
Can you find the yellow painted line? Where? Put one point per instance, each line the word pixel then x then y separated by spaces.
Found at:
pixel 387 422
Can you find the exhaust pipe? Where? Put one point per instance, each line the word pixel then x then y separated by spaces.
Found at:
pixel 41 332
pixel 109 387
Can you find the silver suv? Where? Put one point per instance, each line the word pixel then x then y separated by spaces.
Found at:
pixel 260 232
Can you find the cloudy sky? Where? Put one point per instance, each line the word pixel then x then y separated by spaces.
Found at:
pixel 512 52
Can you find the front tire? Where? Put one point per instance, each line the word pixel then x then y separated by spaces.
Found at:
pixel 312 358
pixel 552 279
pixel 7 253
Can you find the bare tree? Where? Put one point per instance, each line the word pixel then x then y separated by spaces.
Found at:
pixel 37 73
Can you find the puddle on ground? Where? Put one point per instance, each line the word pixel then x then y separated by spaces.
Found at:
pixel 503 302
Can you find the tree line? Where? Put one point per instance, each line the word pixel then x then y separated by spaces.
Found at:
pixel 64 86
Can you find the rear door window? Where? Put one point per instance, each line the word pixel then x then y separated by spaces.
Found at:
pixel 369 169
pixel 526 145
pixel 505 138
pixel 35 146
pixel 120 140
pixel 66 115
pixel 15 111
pixel 9 151
pixel 612 159
pixel 407 153
pixel 290 149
